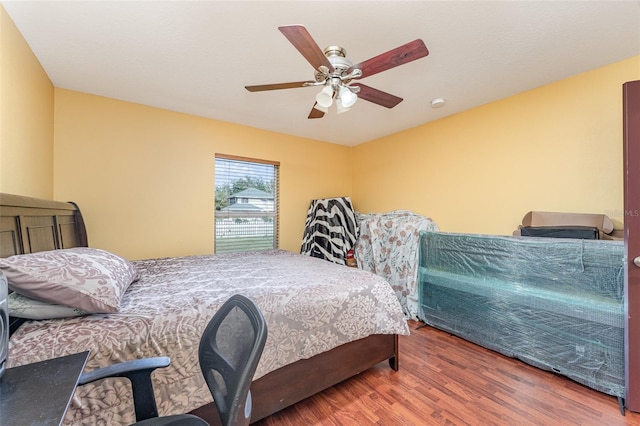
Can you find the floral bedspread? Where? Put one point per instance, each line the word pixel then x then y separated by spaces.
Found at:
pixel 310 306
pixel 388 246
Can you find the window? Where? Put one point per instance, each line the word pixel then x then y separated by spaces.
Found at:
pixel 246 203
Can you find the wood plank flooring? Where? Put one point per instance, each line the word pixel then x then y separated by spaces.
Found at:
pixel 446 380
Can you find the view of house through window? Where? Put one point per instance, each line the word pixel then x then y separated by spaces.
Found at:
pixel 246 216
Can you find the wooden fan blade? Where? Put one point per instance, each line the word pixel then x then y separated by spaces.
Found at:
pixel 278 86
pixel 377 96
pixel 393 58
pixel 315 113
pixel 302 40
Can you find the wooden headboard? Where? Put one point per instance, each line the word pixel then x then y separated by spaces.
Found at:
pixel 29 225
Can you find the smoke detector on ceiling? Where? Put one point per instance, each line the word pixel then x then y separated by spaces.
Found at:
pixel 437 103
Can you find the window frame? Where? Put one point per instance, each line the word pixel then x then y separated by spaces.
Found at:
pixel 248 214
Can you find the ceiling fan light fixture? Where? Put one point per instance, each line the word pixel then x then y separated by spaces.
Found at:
pixel 325 97
pixel 340 108
pixel 347 97
pixel 321 108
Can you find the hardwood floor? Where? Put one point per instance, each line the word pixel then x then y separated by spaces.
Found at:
pixel 446 380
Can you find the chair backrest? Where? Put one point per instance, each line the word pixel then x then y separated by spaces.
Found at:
pixel 230 349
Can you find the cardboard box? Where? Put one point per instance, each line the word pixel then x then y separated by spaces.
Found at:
pixel 600 221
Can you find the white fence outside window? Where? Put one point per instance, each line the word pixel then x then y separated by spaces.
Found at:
pixel 256 228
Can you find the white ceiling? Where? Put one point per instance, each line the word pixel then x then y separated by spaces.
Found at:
pixel 197 56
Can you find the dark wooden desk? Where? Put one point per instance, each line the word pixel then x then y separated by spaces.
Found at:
pixel 39 393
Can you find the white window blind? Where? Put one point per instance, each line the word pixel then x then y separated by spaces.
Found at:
pixel 246 204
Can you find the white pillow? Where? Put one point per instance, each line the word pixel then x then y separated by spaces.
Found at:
pixel 24 307
pixel 89 279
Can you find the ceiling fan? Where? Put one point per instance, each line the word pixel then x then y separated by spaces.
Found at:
pixel 336 73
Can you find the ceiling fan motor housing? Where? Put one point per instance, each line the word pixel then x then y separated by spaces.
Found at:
pixel 337 56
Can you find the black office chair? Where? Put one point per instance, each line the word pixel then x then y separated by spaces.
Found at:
pixel 230 349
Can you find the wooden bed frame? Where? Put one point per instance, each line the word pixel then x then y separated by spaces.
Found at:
pixel 29 225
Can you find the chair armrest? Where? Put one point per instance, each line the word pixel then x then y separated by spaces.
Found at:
pixel 124 369
pixel 139 373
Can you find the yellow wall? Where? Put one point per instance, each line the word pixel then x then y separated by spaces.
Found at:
pixel 555 148
pixel 26 117
pixel 144 177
